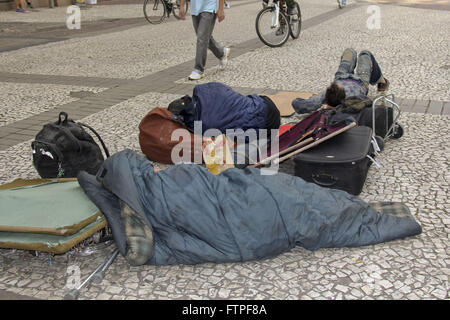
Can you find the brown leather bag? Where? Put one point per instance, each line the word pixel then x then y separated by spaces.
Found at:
pixel 155 137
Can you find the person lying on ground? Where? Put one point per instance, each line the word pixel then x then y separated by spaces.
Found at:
pixel 347 82
pixel 219 107
pixel 187 215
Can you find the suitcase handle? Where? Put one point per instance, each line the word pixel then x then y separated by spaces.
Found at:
pixel 324 180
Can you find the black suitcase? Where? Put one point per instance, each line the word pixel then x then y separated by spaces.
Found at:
pixel 384 117
pixel 338 163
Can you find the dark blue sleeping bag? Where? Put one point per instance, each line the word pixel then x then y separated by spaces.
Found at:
pixel 187 215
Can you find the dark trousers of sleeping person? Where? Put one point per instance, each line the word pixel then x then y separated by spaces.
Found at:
pixel 367 68
pixel 204 26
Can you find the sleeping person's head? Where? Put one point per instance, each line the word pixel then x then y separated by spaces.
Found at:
pixel 335 94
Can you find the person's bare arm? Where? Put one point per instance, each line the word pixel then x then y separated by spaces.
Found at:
pixel 221 11
pixel 182 13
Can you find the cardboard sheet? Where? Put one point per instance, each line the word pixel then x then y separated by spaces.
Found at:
pixel 283 101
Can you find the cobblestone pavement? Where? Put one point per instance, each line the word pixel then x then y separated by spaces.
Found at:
pixel 111 75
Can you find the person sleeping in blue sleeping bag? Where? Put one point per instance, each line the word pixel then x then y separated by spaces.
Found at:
pixel 187 215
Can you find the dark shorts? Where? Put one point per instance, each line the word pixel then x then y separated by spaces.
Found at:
pixel 273 118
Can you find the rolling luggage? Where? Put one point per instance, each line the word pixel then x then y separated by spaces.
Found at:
pixel 384 118
pixel 339 163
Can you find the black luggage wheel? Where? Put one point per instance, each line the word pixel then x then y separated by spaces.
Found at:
pixel 398 131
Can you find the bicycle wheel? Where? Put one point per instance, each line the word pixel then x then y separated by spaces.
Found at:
pixel 295 21
pixel 270 35
pixel 154 11
pixel 176 8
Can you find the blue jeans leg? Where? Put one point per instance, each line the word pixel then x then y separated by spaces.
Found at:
pixel 347 64
pixel 367 68
pixel 204 26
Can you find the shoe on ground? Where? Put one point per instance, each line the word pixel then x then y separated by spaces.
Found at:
pixel 196 75
pixel 350 56
pixel 22 10
pixel 383 86
pixel 227 5
pixel 224 60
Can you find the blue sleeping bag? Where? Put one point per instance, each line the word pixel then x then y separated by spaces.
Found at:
pixel 187 215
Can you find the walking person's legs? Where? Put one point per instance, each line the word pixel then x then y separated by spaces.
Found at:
pixel 20 6
pixel 290 5
pixel 204 26
pixel 219 51
pixel 215 47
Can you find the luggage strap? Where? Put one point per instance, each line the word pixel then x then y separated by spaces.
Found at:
pixel 98 137
pixel 66 118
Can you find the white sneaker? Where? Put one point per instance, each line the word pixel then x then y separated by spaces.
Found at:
pixel 224 60
pixel 227 5
pixel 196 75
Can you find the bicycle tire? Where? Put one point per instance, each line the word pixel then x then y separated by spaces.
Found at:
pixel 176 9
pixel 266 38
pixel 296 17
pixel 158 8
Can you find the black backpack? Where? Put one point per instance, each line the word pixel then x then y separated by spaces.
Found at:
pixel 183 109
pixel 64 148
